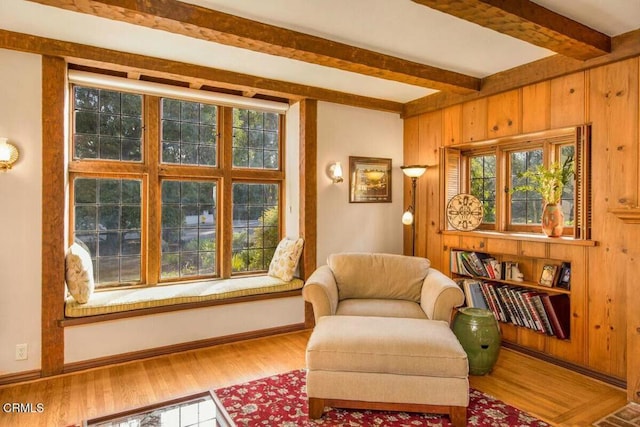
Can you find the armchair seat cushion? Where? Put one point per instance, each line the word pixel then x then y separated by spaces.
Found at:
pixel 381 307
pixel 386 346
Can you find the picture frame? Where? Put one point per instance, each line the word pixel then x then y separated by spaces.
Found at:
pixel 549 275
pixel 564 276
pixel 369 180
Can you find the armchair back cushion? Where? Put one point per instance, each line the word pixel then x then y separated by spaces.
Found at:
pixel 382 276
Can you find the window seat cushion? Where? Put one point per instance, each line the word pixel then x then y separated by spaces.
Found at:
pixel 162 295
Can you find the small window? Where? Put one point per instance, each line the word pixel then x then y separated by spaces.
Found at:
pixel 491 170
pixel 107 125
pixel 189 133
pixel 256 226
pixel 107 220
pixel 256 139
pixel 483 184
pixel 567 153
pixel 189 218
pixel 526 206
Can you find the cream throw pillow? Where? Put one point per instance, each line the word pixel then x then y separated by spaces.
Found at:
pixel 285 259
pixel 79 273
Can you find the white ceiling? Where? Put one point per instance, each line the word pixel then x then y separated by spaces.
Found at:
pixel 400 28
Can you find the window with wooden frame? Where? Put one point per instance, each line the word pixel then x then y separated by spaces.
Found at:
pixel 491 169
pixel 167 190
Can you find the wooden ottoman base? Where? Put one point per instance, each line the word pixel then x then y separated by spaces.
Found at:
pixel 457 414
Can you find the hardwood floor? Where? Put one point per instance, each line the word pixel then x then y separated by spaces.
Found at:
pixel 554 394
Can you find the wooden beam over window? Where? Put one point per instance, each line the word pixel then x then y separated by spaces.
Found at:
pixel 114 60
pixel 207 24
pixel 529 22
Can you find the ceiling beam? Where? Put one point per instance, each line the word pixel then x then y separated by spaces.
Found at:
pixel 624 46
pixel 207 24
pixel 529 22
pixel 174 70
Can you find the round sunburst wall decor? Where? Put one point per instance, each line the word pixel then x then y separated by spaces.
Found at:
pixel 464 212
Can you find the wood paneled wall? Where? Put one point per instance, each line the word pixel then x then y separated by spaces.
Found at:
pixel 608 97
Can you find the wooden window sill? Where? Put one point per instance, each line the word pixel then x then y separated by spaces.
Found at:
pixel 529 237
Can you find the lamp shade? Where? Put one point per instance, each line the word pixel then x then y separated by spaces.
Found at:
pixel 336 172
pixel 407 218
pixel 414 171
pixel 8 154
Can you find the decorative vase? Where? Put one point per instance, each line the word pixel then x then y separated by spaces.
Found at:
pixel 552 220
pixel 478 331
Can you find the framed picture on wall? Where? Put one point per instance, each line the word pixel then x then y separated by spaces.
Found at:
pixel 369 180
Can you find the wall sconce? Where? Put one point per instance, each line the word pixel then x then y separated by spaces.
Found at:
pixel 408 218
pixel 335 171
pixel 8 154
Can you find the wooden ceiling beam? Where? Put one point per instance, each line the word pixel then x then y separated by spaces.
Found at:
pixel 173 70
pixel 207 24
pixel 624 46
pixel 529 22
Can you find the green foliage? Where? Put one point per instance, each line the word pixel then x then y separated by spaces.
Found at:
pixel 548 182
pixel 259 252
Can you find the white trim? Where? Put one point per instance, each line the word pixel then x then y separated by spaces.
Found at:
pixel 164 90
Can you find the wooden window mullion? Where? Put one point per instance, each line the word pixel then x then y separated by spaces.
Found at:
pixel 151 197
pixel 225 211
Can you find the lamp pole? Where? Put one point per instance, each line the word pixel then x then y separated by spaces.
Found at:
pixel 409 217
pixel 414 184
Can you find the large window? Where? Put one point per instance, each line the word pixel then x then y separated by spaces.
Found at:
pixel 493 170
pixel 148 184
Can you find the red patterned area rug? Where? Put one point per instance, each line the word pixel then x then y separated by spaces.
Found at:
pixel 281 401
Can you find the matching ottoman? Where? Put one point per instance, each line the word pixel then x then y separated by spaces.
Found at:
pixel 386 363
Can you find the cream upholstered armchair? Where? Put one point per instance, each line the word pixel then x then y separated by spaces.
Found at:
pixel 382 285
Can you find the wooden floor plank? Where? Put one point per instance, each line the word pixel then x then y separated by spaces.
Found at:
pixel 554 394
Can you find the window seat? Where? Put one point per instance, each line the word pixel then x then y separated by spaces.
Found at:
pixel 118 301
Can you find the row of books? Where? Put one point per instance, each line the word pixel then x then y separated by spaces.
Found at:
pixel 480 265
pixel 539 311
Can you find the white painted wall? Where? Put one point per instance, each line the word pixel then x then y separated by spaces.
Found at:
pixel 21 210
pixel 102 339
pixel 292 172
pixel 357 227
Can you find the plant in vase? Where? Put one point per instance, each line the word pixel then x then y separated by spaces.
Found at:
pixel 549 182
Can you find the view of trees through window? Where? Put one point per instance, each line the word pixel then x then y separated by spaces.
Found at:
pixel 108 125
pixel 483 184
pixel 107 222
pixel 255 226
pixel 492 174
pixel 526 206
pixel 131 214
pixel 189 219
pixel 189 132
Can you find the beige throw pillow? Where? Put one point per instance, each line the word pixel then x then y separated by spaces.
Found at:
pixel 79 273
pixel 285 259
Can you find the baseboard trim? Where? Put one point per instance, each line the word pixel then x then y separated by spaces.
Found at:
pixel 20 377
pixel 176 348
pixel 614 381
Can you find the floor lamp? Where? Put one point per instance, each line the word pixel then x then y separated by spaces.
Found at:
pixel 408 218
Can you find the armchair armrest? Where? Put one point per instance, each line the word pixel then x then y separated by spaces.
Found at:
pixel 440 295
pixel 321 291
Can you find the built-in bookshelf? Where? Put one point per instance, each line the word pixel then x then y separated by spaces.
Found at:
pixel 497 283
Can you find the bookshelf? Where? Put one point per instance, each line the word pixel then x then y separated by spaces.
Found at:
pixel 532 255
pixel 498 285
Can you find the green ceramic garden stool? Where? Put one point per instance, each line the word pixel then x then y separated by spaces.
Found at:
pixel 478 332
